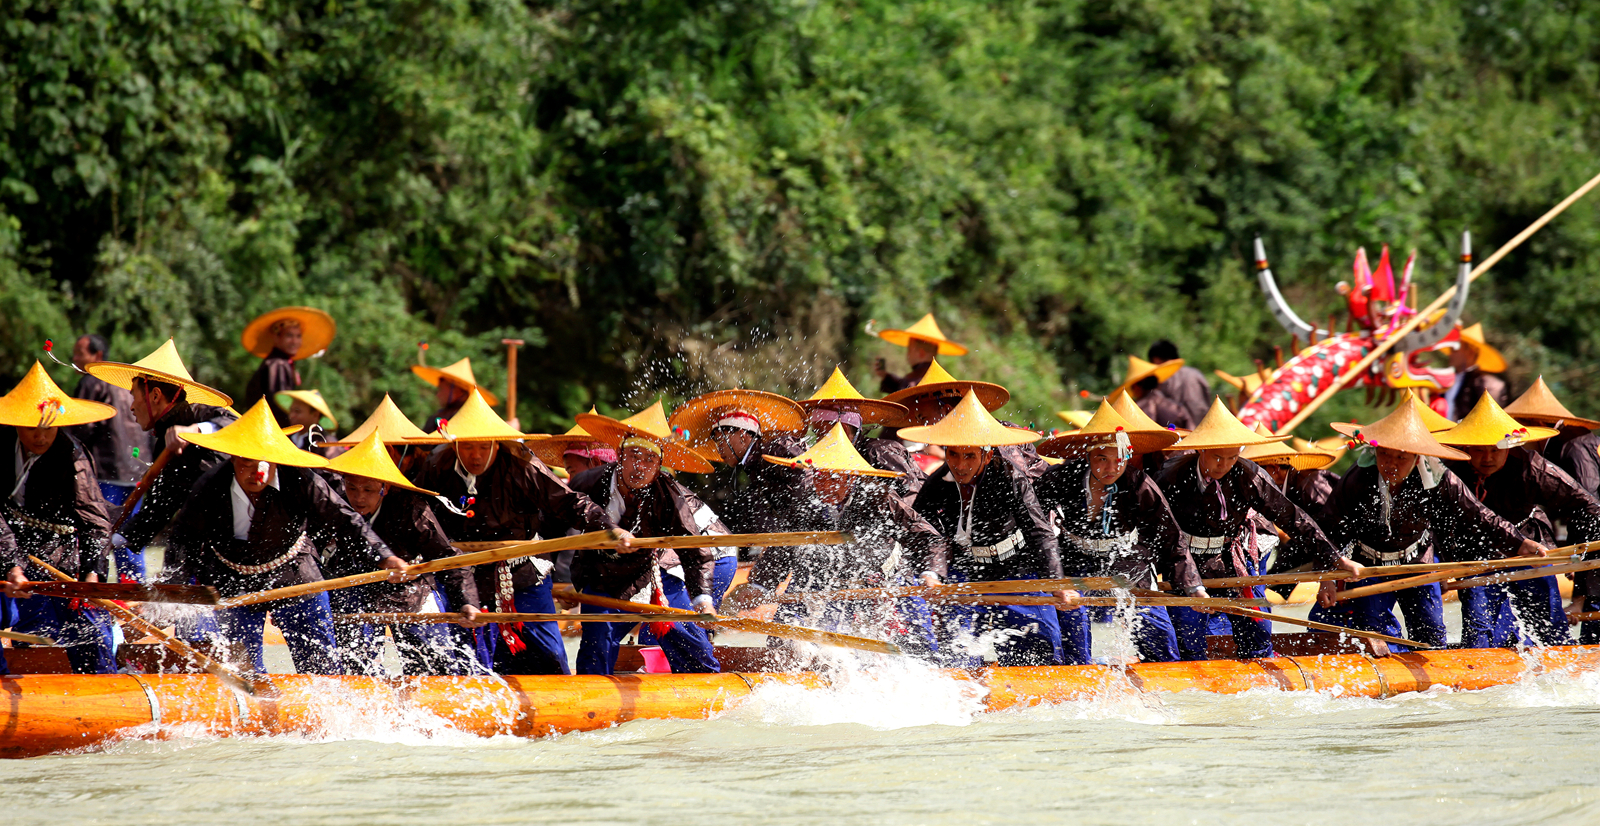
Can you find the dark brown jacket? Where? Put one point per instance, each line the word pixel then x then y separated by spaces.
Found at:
pixel 1164 410
pixel 665 508
pixel 1245 487
pixel 1135 511
pixel 893 544
pixel 62 518
pixel 1455 524
pixel 275 375
pixel 1189 393
pixel 753 496
pixel 172 486
pixel 1475 383
pixel 890 383
pixel 112 442
pixel 1579 455
pixel 406 524
pixel 1003 504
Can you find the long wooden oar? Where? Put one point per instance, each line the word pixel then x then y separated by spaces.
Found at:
pixel 1518 576
pixel 1441 571
pixel 727 540
pixel 1006 586
pixel 1557 557
pixel 128 592
pixel 31 639
pixel 1585 616
pixel 1323 626
pixel 223 671
pixel 1101 602
pixel 485 616
pixel 771 629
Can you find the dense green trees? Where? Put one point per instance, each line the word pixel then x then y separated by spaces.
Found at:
pixel 671 197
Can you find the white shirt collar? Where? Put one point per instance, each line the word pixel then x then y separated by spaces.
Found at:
pixel 614 504
pixel 243 511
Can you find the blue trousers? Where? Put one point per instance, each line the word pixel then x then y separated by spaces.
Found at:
pixel 8 618
pixel 307 626
pixel 1423 610
pixel 722 578
pixel 543 650
pixel 1028 634
pixel 130 561
pixel 1252 638
pixel 85 633
pixel 424 649
pixel 1153 635
pixel 1376 613
pixel 1528 611
pixel 687 646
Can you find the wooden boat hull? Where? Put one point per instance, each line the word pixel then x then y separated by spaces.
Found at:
pixel 47 713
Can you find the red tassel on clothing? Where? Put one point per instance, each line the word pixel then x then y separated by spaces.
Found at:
pixel 510 636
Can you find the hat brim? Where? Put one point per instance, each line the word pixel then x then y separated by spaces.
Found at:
pixel 1070 445
pixel 1490 360
pixel 78 411
pixel 1535 434
pixel 317 330
pixel 433 375
pixel 776 414
pixel 990 438
pixel 1163 371
pixel 552 449
pixel 902 338
pixel 873 411
pixel 869 471
pixel 1551 421
pixel 609 431
pixel 991 396
pixel 1440 452
pixel 277 454
pixel 122 375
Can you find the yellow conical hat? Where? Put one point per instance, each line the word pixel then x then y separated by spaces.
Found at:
pixel 928 330
pixel 1401 430
pixel 1488 424
pixel 1220 429
pixel 256 435
pixel 833 453
pixel 36 401
pixel 316 331
pixel 163 365
pixel 1540 406
pixel 937 383
pixel 1430 417
pixel 969 425
pixel 649 425
pixel 459 374
pixel 1128 409
pixel 1139 370
pixel 1102 428
pixel 390 423
pixel 1280 453
pixel 552 449
pixel 477 422
pixel 839 394
pixel 1333 446
pixel 312 398
pixel 1076 418
pixel 371 459
pixel 1489 359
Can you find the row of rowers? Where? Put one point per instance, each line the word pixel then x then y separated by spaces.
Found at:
pixel 247 510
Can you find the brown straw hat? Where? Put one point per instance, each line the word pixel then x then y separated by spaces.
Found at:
pixel 1487 425
pixel 1540 406
pixel 648 426
pixel 839 394
pixel 389 422
pixel 1401 430
pixel 477 422
pixel 163 365
pixel 1489 360
pixel 371 459
pixel 1281 453
pixel 316 331
pixel 833 453
pixel 937 383
pixel 927 330
pixel 256 435
pixel 1139 370
pixel 760 412
pixel 36 401
pixel 458 374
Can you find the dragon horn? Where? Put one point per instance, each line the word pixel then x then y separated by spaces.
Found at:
pixel 1435 333
pixel 1275 303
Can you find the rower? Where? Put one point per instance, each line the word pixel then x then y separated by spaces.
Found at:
pixel 1212 493
pixel 1141 382
pixel 999 531
pixel 938 393
pixel 575 452
pixel 1478 366
pixel 922 341
pixel 501 491
pixel 1506 473
pixel 1113 520
pixel 118 446
pixel 1299 471
pixel 838 402
pixel 280 338
pixel 892 545
pixel 1576 449
pixel 636 495
pixel 167 402
pixel 399 514
pixel 453 385
pixel 308 410
pixel 254 523
pixel 55 511
pixel 1401 505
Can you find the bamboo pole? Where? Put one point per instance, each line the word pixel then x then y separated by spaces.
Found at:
pixel 127 592
pixel 1005 586
pixel 1382 347
pixel 487 617
pixel 771 629
pixel 31 639
pixel 1519 576
pixel 1100 602
pixel 1584 616
pixel 1323 626
pixel 1558 557
pixel 727 540
pixel 511 374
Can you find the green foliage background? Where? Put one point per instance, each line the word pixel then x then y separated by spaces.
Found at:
pixel 670 197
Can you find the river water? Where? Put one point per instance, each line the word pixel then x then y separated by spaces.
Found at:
pixel 902 746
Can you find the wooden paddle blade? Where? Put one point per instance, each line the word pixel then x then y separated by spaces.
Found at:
pixel 128 592
pixel 31 639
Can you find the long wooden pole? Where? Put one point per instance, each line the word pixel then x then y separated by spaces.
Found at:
pixel 511 374
pixel 1323 626
pixel 31 639
pixel 1100 602
pixel 726 540
pixel 1361 366
pixel 222 671
pixel 1558 557
pixel 1005 586
pixel 1519 576
pixel 771 629
pixel 485 616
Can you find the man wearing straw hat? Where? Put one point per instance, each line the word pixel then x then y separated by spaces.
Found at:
pixel 837 402
pixel 1298 473
pixel 1506 473
pixel 1213 493
pixel 279 338
pixel 922 341
pixel 254 523
pixel 53 505
pixel 119 448
pixel 938 393
pixel 453 385
pixel 167 402
pixel 1401 505
pixel 893 545
pixel 1113 520
pixel 399 514
pixel 501 491
pixel 1186 387
pixel 737 428
pixel 307 410
pixel 997 530
pixel 638 496
pixel 1141 382
pixel 1576 449
pixel 1477 366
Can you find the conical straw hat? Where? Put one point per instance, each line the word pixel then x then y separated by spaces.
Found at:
pixel 316 331
pixel 459 374
pixel 162 365
pixel 839 394
pixel 1102 429
pixel 1430 417
pixel 1332 446
pixel 1489 359
pixel 1401 430
pixel 256 435
pixel 697 417
pixel 313 398
pixel 1280 453
pixel 371 459
pixel 928 330
pixel 833 453
pixel 477 422
pixel 1488 424
pixel 937 383
pixel 1540 406
pixel 392 425
pixel 1219 429
pixel 1139 370
pixel 969 425
pixel 1128 409
pixel 650 425
pixel 1076 418
pixel 552 449
pixel 36 401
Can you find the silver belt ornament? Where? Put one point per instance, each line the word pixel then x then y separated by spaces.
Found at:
pixel 1204 545
pixel 1394 557
pixel 301 545
pixel 998 552
pixel 1105 546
